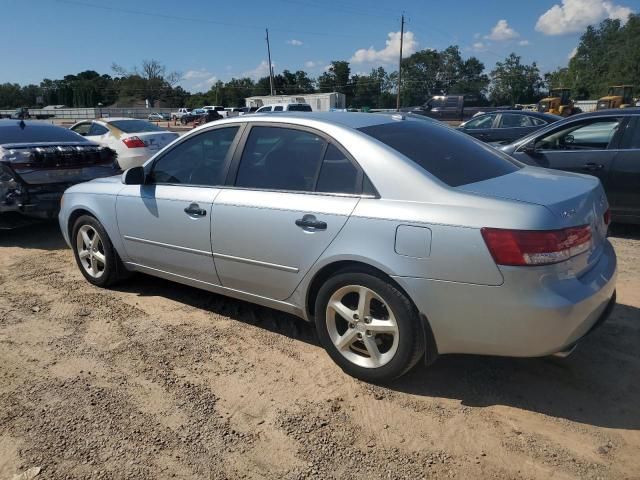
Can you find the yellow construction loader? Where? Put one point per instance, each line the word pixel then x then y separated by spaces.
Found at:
pixel 558 102
pixel 619 96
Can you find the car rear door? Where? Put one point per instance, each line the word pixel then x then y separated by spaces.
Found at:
pixel 586 146
pixel 166 223
pixel 512 126
pixel 624 181
pixel 290 192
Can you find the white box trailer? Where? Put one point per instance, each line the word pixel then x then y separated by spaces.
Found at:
pixel 320 102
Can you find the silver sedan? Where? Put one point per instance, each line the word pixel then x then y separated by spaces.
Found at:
pixel 401 239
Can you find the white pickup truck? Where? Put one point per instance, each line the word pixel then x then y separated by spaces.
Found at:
pixel 180 113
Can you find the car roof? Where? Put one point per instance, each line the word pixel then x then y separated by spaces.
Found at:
pixel 528 113
pixel 12 122
pixel 611 112
pixel 345 119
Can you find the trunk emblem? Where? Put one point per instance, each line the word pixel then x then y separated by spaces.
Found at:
pixel 568 213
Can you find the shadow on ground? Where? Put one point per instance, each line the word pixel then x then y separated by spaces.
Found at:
pixel 598 385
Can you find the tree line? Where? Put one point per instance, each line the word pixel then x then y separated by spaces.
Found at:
pixel 606 54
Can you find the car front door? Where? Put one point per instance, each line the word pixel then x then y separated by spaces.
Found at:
pixel 291 191
pixel 166 223
pixel 624 179
pixel 583 146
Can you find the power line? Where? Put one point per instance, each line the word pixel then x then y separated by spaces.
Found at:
pixel 200 20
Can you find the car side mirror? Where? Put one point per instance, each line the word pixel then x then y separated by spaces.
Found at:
pixel 530 148
pixel 134 176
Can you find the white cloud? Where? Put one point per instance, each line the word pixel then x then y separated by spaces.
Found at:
pixel 524 43
pixel 572 53
pixel 294 42
pixel 389 54
pixel 314 64
pixel 262 70
pixel 479 47
pixel 206 85
pixel 195 74
pixel 573 16
pixel 502 32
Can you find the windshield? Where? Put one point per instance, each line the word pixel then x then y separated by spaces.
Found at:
pixel 452 157
pixel 135 126
pixel 34 132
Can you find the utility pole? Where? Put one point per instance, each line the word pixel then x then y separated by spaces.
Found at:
pixel 270 67
pixel 400 63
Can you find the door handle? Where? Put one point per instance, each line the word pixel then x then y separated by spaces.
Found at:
pixel 195 210
pixel 592 166
pixel 310 221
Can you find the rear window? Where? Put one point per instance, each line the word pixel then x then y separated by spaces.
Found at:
pixel 454 158
pixel 299 108
pixel 11 132
pixel 135 126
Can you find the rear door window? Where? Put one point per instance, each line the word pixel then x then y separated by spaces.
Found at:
pixel 96 130
pixel 82 128
pixel 276 158
pixel 514 120
pixel 277 108
pixel 452 157
pixel 337 174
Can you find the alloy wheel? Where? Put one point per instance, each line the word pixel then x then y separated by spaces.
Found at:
pixel 362 326
pixel 90 251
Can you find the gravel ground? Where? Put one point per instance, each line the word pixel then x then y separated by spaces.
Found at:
pixel 156 380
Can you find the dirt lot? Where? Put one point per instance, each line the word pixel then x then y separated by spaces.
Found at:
pixel 157 380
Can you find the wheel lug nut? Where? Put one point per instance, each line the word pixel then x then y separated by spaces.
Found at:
pixel 355 316
pixel 352 325
pixel 368 333
pixel 360 335
pixel 367 319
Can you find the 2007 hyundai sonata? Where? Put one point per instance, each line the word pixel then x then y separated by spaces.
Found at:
pixel 401 239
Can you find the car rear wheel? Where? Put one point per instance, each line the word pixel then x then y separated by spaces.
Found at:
pixel 368 326
pixel 97 259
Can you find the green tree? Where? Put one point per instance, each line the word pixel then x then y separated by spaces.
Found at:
pixel 514 82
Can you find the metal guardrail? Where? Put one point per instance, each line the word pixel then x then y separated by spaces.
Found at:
pixel 84 113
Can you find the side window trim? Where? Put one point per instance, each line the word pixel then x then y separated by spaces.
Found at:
pixel 631 131
pixel 234 166
pixel 228 158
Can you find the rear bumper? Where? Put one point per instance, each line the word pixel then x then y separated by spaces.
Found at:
pixel 532 314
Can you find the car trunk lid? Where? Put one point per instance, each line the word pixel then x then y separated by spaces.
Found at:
pixel 573 199
pixel 154 140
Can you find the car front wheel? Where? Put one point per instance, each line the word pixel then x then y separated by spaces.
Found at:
pixel 97 259
pixel 368 326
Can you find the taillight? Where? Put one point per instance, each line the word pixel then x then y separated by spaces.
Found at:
pixel 607 217
pixel 536 247
pixel 134 142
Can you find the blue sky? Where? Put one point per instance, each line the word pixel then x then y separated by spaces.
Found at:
pixel 206 40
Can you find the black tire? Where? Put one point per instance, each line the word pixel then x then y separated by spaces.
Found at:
pixel 411 345
pixel 114 269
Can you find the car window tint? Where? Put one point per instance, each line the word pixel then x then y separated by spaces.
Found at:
pixel 513 120
pixel 277 158
pixel 277 109
pixel 300 108
pixel 337 174
pixel 135 126
pixel 483 121
pixel 199 160
pixel 453 157
pixel 538 122
pixel 82 129
pixel 586 135
pixel 97 129
pixel 632 134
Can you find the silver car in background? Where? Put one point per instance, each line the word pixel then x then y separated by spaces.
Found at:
pixel 401 239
